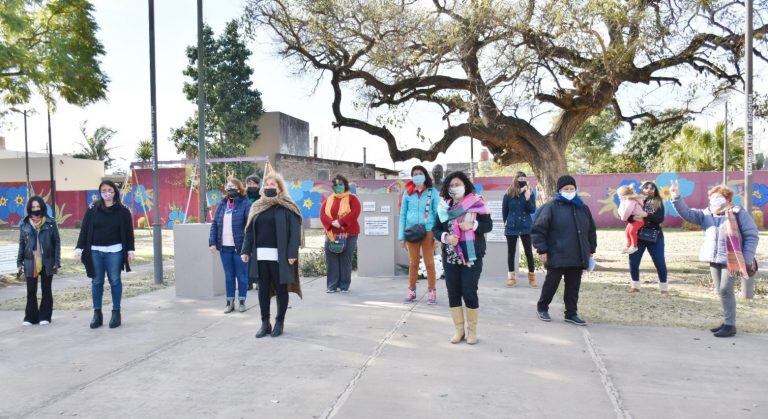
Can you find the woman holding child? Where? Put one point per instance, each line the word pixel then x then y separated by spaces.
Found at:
pixel 650 237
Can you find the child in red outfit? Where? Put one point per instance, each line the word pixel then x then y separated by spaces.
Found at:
pixel 631 206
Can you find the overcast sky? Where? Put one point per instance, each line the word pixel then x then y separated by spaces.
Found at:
pixel 124 33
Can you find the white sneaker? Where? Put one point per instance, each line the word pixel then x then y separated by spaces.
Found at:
pixel 624 251
pixel 26 324
pixel 631 250
pixel 44 322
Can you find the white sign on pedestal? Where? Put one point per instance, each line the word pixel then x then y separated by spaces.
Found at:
pixel 376 226
pixel 495 208
pixel 497 234
pixel 386 208
pixel 369 206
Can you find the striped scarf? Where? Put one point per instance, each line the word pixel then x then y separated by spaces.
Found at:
pixel 736 265
pixel 464 212
pixel 37 255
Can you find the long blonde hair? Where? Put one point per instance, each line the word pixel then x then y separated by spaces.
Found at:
pixel 281 189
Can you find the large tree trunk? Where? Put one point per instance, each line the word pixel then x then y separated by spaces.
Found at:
pixel 548 164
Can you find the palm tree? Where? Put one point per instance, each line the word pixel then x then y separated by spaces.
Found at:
pixel 696 150
pixel 144 150
pixel 96 146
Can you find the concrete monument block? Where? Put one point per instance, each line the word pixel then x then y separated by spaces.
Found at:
pixel 199 273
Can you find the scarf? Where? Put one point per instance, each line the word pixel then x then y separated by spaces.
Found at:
pixel 575 201
pixel 411 187
pixel 463 212
pixel 344 209
pixel 37 254
pixel 736 265
pixel 264 203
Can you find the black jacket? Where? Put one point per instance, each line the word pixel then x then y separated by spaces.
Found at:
pixel 655 217
pixel 484 225
pixel 288 229
pixel 50 244
pixel 566 233
pixel 85 240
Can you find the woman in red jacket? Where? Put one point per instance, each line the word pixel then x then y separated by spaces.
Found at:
pixel 339 214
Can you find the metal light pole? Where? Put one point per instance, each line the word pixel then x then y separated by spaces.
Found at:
pixel 50 164
pixel 157 234
pixel 725 148
pixel 26 148
pixel 748 285
pixel 202 189
pixel 472 157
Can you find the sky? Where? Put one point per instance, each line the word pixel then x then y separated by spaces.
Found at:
pixel 124 34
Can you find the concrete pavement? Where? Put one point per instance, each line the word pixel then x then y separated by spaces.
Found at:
pixel 366 355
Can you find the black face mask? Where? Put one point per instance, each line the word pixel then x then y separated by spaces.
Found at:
pixel 232 193
pixel 253 191
pixel 36 213
pixel 521 183
pixel 270 192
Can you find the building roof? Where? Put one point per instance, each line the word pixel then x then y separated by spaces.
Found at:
pixel 352 163
pixel 15 154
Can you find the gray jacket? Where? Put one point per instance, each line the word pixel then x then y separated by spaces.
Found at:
pixel 713 250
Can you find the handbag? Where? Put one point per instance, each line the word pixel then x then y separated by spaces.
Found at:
pixel 338 245
pixel 648 234
pixel 416 232
pixel 752 267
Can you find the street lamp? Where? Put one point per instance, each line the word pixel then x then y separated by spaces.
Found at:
pixel 26 145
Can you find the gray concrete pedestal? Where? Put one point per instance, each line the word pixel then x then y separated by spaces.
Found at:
pixel 199 273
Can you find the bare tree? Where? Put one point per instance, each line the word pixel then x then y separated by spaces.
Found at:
pixel 492 68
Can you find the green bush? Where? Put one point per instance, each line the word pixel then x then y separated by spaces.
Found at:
pixel 312 264
pixel 537 265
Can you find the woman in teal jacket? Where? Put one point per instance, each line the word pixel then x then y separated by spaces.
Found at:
pixel 417 217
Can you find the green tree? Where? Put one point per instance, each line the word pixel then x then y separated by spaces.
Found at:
pixel 593 142
pixel 144 151
pixel 50 45
pixel 96 146
pixel 233 105
pixel 489 68
pixel 694 150
pixel 648 136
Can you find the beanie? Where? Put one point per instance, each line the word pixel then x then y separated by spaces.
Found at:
pixel 564 181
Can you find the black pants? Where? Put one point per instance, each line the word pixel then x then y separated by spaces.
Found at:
pixel 32 313
pixel 572 285
pixel 512 247
pixel 461 282
pixel 268 281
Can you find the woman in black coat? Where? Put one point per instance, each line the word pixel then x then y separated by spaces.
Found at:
pixel 39 258
pixel 106 246
pixel 272 238
pixel 654 206
pixel 565 237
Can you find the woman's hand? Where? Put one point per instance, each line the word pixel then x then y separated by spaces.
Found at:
pixel 291 261
pixel 543 257
pixel 79 255
pixel 336 223
pixel 467 226
pixel 245 258
pixel 213 249
pixel 527 191
pixel 452 240
pixel 674 188
pixel 131 256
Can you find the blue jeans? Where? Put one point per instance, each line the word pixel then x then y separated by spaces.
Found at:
pixel 110 264
pixel 234 267
pixel 656 251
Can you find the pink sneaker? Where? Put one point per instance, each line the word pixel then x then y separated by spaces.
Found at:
pixel 411 297
pixel 432 296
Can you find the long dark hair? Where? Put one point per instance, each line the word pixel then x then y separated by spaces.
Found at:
pixel 39 200
pixel 468 186
pixel 514 189
pixel 116 200
pixel 655 200
pixel 427 178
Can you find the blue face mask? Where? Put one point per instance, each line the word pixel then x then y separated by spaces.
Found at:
pixel 419 180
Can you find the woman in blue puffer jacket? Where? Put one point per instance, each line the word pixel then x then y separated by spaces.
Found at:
pixel 417 209
pixel 517 207
pixel 730 243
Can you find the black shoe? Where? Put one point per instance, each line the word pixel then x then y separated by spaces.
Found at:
pixel 717 329
pixel 266 329
pixel 250 286
pixel 97 320
pixel 575 320
pixel 241 308
pixel 230 307
pixel 115 321
pixel 543 316
pixel 278 329
pixel 726 332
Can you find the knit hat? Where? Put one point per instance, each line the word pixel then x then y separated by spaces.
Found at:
pixel 564 181
pixel 254 178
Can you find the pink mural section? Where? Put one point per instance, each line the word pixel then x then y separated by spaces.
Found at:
pixel 178 203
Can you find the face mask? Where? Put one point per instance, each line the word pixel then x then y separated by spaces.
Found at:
pixel 456 192
pixel 418 180
pixel 568 195
pixel 717 202
pixel 232 192
pixel 107 196
pixel 521 183
pixel 270 192
pixel 338 188
pixel 36 213
pixel 253 191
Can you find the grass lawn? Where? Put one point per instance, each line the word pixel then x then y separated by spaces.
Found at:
pixel 604 296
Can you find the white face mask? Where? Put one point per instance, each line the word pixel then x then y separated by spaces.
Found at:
pixel 568 195
pixel 456 192
pixel 716 202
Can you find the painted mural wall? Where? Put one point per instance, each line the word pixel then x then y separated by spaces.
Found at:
pixel 178 203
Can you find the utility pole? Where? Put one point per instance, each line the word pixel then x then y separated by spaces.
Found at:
pixel 202 188
pixel 50 164
pixel 747 284
pixel 26 148
pixel 725 148
pixel 157 233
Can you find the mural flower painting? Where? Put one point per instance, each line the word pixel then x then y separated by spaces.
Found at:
pixel 611 201
pixel 93 196
pixel 759 195
pixel 5 210
pixel 176 216
pixel 17 200
pixel 310 204
pixel 664 181
pixel 213 197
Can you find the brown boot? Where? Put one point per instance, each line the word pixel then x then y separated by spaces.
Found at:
pixel 532 280
pixel 472 325
pixel 511 281
pixel 457 313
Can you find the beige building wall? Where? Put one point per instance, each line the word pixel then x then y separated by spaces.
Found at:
pixel 268 143
pixel 70 174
